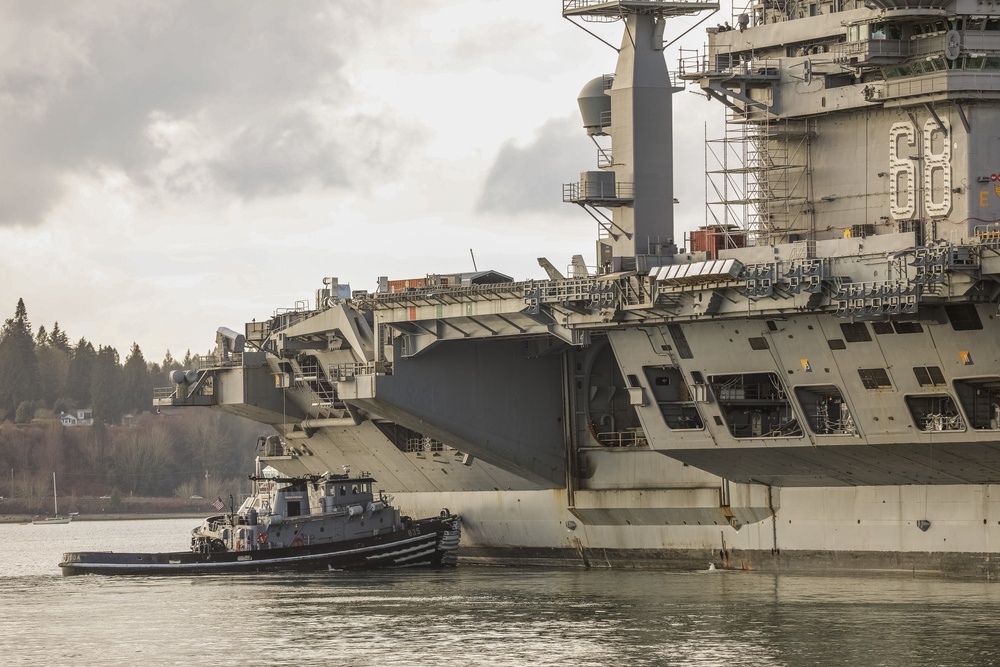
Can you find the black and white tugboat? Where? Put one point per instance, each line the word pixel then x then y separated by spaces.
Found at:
pixel 313 522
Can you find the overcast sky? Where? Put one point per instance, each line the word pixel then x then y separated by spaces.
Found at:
pixel 174 166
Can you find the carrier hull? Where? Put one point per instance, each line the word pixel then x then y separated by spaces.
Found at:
pixel 814 530
pixel 811 381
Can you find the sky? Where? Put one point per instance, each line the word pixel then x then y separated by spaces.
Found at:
pixel 173 166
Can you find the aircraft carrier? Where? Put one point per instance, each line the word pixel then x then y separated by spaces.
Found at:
pixel 810 380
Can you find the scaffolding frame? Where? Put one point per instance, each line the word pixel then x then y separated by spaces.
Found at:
pixel 758 176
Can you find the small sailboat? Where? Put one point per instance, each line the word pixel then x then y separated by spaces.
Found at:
pixel 55 518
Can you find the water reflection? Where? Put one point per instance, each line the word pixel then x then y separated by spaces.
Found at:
pixel 489 616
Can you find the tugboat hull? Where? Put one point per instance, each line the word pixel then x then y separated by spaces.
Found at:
pixel 426 542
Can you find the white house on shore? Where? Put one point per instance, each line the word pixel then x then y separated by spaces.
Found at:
pixel 84 417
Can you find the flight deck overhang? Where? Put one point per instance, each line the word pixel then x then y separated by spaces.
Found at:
pixel 823 276
pixel 463 394
pixel 426 317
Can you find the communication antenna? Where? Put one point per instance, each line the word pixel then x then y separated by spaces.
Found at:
pixel 474 267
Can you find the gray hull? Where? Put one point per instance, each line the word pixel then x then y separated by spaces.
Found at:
pixel 810 381
pixel 427 543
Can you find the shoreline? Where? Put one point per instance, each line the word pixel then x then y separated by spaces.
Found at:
pixel 17 510
pixel 110 516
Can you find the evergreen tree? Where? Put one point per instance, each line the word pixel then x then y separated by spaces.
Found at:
pixel 169 363
pixel 169 366
pixel 107 387
pixel 53 368
pixel 25 413
pixel 41 338
pixel 81 369
pixel 138 382
pixel 19 376
pixel 59 340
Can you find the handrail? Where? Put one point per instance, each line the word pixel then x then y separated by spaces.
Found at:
pixel 575 5
pixel 351 370
pixel 622 439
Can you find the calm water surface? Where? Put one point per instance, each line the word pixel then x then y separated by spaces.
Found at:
pixel 469 615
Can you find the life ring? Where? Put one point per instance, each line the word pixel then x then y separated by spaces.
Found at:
pixel 297 542
pixel 239 545
pixel 261 538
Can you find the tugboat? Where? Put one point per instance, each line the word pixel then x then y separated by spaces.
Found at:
pixel 312 522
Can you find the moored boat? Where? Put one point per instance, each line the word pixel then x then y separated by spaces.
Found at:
pixel 55 518
pixel 51 520
pixel 313 522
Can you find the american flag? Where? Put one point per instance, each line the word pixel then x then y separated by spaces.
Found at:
pixel 218 504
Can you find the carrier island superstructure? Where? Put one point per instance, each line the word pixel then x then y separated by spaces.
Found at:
pixel 810 380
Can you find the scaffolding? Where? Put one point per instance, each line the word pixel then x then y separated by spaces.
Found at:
pixel 758 177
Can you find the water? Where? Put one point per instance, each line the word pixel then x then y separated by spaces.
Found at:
pixel 469 615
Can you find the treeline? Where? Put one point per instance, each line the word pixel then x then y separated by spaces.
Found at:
pixel 44 370
pixel 189 451
pixel 194 451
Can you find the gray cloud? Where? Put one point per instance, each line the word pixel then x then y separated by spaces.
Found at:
pixel 80 85
pixel 285 152
pixel 529 179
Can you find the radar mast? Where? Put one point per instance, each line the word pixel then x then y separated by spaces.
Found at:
pixel 634 178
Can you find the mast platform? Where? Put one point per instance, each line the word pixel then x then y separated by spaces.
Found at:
pixel 613 9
